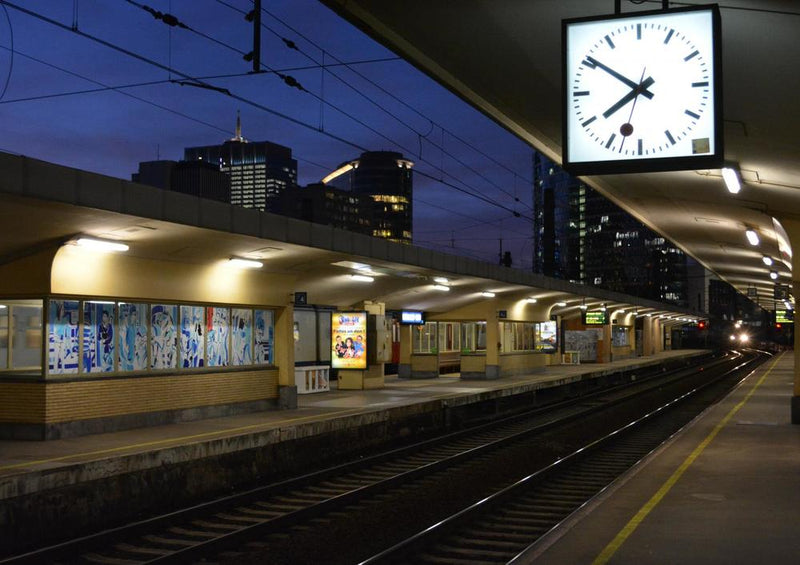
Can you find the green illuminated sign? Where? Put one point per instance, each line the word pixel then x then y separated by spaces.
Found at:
pixel 595 318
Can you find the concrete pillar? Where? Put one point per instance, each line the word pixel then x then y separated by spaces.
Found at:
pixel 796 389
pixel 406 347
pixel 284 356
pixel 605 352
pixel 647 336
pixel 492 344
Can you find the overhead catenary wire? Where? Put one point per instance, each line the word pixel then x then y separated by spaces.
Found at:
pixel 232 95
pixel 292 45
pixel 173 21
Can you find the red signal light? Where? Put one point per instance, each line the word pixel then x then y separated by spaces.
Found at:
pixel 778 326
pixel 701 325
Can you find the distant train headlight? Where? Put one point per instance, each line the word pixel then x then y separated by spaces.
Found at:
pixel 733 338
pixel 744 338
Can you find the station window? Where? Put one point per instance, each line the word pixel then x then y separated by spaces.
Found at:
pixel 449 336
pixel 21 335
pixel 473 336
pixel 425 338
pixel 620 336
pixel 518 337
pixel 98 336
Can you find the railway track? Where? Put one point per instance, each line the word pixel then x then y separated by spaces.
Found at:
pixel 501 528
pixel 339 493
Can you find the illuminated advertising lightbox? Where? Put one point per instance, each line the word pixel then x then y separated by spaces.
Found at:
pixel 595 318
pixel 349 340
pixel 784 316
pixel 546 337
pixel 412 317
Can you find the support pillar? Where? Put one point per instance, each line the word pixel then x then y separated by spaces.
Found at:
pixel 284 356
pixel 492 344
pixel 796 388
pixel 406 347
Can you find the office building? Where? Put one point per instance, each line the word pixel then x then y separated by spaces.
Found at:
pixel 581 236
pixel 259 171
pixel 386 178
pixel 197 178
pixel 323 204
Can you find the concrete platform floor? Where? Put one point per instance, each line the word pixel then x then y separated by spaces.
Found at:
pixel 725 490
pixel 27 467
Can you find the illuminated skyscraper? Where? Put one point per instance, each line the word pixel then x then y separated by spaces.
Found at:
pixel 260 171
pixel 386 177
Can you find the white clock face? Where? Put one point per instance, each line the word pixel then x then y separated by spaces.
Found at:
pixel 640 87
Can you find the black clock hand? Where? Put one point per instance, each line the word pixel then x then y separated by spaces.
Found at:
pixel 633 94
pixel 595 63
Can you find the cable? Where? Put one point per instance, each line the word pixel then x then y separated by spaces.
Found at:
pixel 234 96
pixel 389 93
pixel 291 81
pixel 11 62
pixel 293 45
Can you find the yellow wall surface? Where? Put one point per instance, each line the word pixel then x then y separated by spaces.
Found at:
pixel 473 363
pixel 77 271
pixel 519 363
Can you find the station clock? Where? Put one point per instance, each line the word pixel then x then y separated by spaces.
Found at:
pixel 642 92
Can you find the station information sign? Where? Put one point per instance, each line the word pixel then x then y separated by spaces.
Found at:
pixel 412 317
pixel 595 318
pixel 349 340
pixel 784 316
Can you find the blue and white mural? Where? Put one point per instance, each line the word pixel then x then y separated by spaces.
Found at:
pixel 192 344
pixel 217 330
pixel 263 337
pixel 132 327
pixel 98 337
pixel 63 337
pixel 164 345
pixel 242 336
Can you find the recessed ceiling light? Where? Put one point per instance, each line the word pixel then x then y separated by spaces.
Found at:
pixel 731 178
pixel 441 280
pixel 245 263
pixel 767 260
pixel 442 287
pixel 487 294
pixel 752 236
pixel 532 300
pixel 561 304
pixel 362 278
pixel 101 244
pixel 773 275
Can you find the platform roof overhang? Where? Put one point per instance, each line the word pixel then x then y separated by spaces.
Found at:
pixel 43 206
pixel 504 58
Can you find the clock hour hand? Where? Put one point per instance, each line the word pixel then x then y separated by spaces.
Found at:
pixel 592 63
pixel 637 90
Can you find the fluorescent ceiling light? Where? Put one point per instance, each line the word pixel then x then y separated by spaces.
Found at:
pixel 362 278
pixel 487 294
pixel 101 244
pixel 442 287
pixel 561 304
pixel 767 260
pixel 441 280
pixel 2 306
pixel 584 306
pixel 752 236
pixel 773 275
pixel 785 303
pixel 245 263
pixel 731 178
pixel 100 302
pixel 532 300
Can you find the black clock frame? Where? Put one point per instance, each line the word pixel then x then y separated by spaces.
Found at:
pixel 656 164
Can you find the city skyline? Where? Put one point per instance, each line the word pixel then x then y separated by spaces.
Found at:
pixel 53 114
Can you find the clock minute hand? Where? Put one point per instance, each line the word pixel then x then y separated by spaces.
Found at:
pixel 591 62
pixel 639 89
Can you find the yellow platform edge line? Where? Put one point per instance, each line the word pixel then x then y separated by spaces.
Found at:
pixel 609 551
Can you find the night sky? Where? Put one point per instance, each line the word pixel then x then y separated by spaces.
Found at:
pixel 380 103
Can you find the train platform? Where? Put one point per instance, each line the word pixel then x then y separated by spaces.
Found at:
pixel 725 490
pixel 177 464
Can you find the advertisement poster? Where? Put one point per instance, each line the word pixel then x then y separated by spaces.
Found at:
pixel 349 340
pixel 63 339
pixel 132 336
pixel 98 337
pixel 547 337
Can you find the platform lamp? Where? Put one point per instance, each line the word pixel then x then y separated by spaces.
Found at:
pixel 732 177
pixel 99 244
